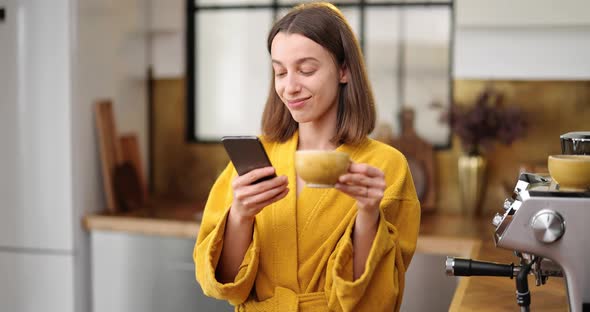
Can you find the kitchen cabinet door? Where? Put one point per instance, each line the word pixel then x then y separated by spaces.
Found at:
pixel 522 13
pixel 36 282
pixel 146 273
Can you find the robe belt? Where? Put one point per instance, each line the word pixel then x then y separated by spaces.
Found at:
pixel 286 300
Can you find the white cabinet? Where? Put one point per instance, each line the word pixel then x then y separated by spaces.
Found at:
pixel 426 278
pixel 132 272
pixel 146 273
pixel 32 282
pixel 522 13
pixel 522 40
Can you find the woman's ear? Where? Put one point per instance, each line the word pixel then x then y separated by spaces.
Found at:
pixel 343 74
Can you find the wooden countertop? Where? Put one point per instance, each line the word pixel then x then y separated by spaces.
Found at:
pixel 485 294
pixel 161 217
pixel 183 220
pixel 440 234
pixel 491 294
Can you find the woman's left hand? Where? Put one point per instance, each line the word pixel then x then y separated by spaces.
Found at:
pixel 366 184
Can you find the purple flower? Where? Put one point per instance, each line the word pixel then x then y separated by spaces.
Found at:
pixel 485 122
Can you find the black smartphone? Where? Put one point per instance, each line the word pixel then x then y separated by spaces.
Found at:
pixel 246 153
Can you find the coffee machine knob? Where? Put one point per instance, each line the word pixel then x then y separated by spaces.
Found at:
pixel 497 220
pixel 548 226
pixel 507 203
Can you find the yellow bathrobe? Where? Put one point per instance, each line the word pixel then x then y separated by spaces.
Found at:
pixel 300 258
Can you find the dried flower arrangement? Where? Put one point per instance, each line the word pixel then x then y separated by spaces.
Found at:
pixel 485 122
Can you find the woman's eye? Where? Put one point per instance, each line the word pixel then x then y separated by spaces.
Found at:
pixel 280 74
pixel 307 72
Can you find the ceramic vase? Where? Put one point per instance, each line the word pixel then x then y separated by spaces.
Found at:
pixel 471 183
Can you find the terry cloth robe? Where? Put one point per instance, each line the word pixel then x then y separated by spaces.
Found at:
pixel 300 258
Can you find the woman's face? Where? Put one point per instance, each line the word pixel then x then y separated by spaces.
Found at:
pixel 306 77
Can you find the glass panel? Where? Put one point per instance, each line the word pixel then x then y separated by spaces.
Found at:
pixel 419 39
pixel 231 2
pixel 382 42
pixel 410 1
pixel 304 1
pixel 352 15
pixel 426 67
pixel 232 71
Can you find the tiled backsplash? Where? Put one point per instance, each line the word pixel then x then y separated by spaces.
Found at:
pixel 188 170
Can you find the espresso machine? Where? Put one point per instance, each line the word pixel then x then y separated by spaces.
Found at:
pixel 547 228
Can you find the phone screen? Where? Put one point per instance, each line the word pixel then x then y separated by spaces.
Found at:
pixel 246 153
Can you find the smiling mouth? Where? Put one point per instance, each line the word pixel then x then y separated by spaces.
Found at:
pixel 297 102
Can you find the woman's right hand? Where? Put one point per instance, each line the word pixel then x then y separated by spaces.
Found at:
pixel 250 199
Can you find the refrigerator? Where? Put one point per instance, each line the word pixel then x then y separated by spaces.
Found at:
pixel 36 214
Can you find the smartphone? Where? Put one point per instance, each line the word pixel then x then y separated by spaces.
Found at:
pixel 246 153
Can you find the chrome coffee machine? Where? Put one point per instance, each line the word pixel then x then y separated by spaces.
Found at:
pixel 548 229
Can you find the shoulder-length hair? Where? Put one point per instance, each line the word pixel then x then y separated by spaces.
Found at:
pixel 323 23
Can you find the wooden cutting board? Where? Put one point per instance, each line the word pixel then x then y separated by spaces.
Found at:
pixel 420 156
pixel 128 189
pixel 130 153
pixel 110 150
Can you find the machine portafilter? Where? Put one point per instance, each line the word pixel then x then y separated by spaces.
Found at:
pixel 469 267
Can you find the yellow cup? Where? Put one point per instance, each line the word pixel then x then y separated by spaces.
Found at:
pixel 319 168
pixel 571 172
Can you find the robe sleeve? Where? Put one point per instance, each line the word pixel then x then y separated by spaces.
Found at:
pixel 209 244
pixel 382 282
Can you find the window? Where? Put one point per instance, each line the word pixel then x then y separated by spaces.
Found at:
pixel 407 47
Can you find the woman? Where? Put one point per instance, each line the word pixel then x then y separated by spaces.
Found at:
pixel 280 246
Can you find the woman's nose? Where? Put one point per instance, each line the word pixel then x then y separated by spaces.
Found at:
pixel 292 84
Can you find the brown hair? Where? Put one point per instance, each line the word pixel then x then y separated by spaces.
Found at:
pixel 323 23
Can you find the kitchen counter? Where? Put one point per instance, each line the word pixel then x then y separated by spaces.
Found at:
pixel 161 218
pixel 494 294
pixel 439 234
pixel 491 294
pixel 181 219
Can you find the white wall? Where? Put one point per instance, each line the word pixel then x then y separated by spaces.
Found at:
pixel 111 62
pixel 525 39
pixel 167 37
